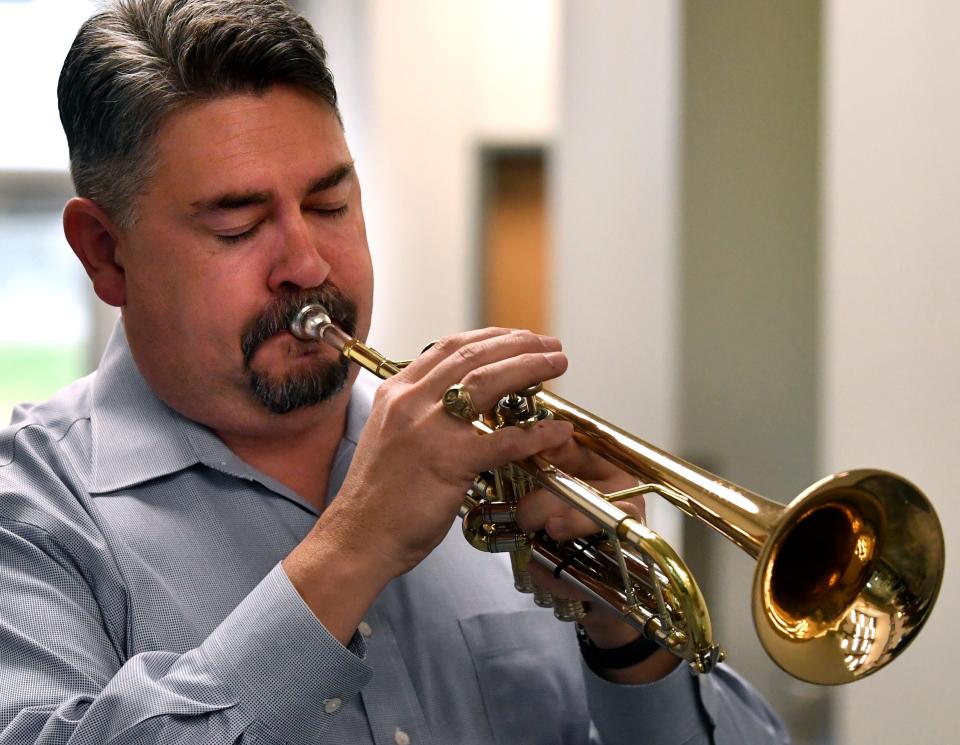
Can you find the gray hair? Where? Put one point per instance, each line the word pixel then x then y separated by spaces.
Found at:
pixel 136 61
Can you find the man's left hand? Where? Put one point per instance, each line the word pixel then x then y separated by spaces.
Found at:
pixel 543 510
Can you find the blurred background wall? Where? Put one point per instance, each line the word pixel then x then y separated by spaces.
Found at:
pixel 740 216
pixel 890 330
pixel 37 269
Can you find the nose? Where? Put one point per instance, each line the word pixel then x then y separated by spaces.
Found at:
pixel 300 262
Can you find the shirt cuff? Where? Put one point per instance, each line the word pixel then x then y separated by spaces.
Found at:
pixel 665 712
pixel 287 670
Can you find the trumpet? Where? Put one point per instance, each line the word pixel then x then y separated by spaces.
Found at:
pixel 846 574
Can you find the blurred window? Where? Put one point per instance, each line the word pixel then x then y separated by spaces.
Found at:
pixel 45 308
pixel 45 303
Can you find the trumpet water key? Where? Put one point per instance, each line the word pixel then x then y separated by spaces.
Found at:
pixel 847 573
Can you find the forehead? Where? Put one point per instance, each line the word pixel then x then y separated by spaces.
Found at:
pixel 247 141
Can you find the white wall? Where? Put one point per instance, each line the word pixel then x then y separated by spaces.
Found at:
pixel 614 214
pixel 749 292
pixel 891 312
pixel 34 39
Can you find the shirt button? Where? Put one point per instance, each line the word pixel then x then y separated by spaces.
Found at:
pixel 400 737
pixel 365 631
pixel 330 705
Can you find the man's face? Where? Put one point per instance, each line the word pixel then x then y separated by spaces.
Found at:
pixel 253 208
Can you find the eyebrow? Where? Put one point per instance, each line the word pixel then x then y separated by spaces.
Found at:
pixel 239 199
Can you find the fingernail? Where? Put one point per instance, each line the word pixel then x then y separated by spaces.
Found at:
pixel 555 358
pixel 553 430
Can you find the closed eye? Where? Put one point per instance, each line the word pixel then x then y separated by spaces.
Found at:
pixel 330 211
pixel 234 238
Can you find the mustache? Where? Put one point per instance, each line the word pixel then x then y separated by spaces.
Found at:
pixel 281 311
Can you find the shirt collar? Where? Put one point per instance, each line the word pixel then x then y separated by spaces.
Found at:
pixel 135 436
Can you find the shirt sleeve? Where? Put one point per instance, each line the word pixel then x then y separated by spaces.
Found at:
pixel 682 709
pixel 65 681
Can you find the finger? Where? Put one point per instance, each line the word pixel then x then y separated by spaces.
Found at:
pixel 580 461
pixel 574 524
pixel 490 383
pixel 561 521
pixel 516 443
pixel 455 366
pixel 443 348
pixel 537 507
pixel 543 510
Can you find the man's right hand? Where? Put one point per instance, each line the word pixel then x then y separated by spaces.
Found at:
pixel 414 464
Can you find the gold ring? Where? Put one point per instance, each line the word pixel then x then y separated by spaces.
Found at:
pixel 458 402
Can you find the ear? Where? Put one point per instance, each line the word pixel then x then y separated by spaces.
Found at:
pixel 94 239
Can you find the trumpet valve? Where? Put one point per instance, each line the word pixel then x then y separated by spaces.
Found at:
pixel 522 581
pixel 542 598
pixel 565 609
pixel 521 408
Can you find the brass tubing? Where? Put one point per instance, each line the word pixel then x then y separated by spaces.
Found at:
pixel 737 513
pixel 369 359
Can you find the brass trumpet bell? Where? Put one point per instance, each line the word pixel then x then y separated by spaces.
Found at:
pixel 847 573
pixel 847 576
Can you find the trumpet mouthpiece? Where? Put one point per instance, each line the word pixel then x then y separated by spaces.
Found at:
pixel 313 323
pixel 310 322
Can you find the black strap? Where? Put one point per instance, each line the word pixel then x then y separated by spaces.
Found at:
pixel 617 658
pixel 573 555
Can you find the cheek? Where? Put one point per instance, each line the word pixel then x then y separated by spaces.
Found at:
pixel 225 299
pixel 352 268
pixel 154 301
pixel 159 275
pixel 206 306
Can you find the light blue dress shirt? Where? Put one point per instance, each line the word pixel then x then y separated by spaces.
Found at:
pixel 142 601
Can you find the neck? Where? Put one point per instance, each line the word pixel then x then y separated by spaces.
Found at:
pixel 297 453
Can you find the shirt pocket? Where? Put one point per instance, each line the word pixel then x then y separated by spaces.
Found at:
pixel 528 668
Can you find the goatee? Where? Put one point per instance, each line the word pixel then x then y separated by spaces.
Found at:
pixel 324 379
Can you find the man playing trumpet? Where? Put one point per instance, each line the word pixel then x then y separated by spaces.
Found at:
pixel 224 535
